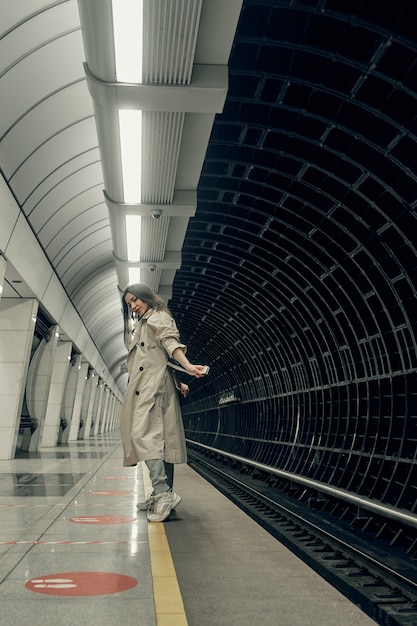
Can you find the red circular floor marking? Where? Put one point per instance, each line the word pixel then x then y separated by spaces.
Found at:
pixel 110 493
pixel 81 584
pixel 102 519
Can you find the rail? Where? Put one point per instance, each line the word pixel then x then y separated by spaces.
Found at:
pixel 362 502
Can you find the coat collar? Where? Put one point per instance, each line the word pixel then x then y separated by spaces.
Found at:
pixel 146 315
pixel 136 336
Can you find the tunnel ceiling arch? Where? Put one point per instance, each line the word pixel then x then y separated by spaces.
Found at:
pixel 299 264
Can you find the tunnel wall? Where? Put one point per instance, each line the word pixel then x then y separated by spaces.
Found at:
pixel 322 371
pixel 299 274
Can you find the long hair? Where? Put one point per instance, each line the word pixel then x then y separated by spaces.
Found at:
pixel 144 293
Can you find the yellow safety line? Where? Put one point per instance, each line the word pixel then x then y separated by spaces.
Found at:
pixel 169 607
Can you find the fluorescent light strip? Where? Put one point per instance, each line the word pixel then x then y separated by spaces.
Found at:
pixel 134 275
pixel 128 39
pixel 128 45
pixel 133 235
pixel 130 126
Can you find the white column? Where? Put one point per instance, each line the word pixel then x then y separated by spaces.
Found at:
pixel 84 406
pixel 82 369
pixel 114 415
pixel 117 415
pixel 38 384
pixel 69 398
pixel 93 380
pixel 17 326
pixel 107 425
pixel 104 410
pixel 52 421
pixel 117 406
pixel 111 415
pixel 100 403
pixel 2 273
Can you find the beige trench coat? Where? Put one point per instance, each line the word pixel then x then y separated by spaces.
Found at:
pixel 151 421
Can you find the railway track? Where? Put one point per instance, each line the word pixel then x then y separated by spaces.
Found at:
pixel 378 578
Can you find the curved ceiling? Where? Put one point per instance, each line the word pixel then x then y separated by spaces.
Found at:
pixel 60 152
pixel 301 257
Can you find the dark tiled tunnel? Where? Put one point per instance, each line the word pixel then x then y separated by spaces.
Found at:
pixel 298 282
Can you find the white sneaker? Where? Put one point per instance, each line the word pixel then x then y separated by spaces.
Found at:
pixel 144 506
pixel 162 505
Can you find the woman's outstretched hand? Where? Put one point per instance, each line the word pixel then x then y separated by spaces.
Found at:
pixel 194 370
pixel 197 370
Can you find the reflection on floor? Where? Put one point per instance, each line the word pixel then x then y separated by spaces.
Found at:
pixel 74 549
pixel 70 535
pixel 25 484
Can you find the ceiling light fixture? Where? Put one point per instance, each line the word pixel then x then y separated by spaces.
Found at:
pixel 130 127
pixel 133 243
pixel 128 39
pixel 133 275
pixel 133 237
pixel 128 46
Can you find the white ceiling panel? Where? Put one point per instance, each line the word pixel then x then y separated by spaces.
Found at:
pixel 87 295
pixel 60 207
pixel 79 162
pixel 28 25
pixel 89 263
pixel 82 245
pixel 93 218
pixel 42 122
pixel 34 77
pixel 60 148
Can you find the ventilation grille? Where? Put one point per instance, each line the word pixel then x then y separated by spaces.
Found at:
pixel 154 236
pixel 170 30
pixel 161 141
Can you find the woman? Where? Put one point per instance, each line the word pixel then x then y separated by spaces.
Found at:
pixel 151 421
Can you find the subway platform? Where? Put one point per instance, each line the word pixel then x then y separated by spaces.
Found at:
pixel 74 549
